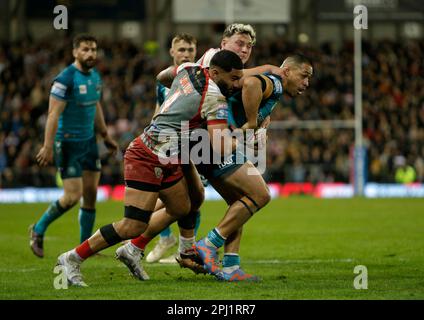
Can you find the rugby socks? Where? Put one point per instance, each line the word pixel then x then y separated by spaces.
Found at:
pixel 215 239
pixel 230 262
pixel 86 218
pixel 141 242
pixel 166 233
pixel 84 251
pixel 54 211
pixel 186 245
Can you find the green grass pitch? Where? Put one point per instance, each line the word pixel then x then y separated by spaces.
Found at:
pixel 302 248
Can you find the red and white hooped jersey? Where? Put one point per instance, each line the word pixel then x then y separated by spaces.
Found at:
pixel 205 60
pixel 194 100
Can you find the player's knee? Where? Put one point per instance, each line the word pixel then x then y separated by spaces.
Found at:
pixel 133 224
pixel 180 210
pixel 260 199
pixel 264 198
pixel 130 228
pixel 71 199
pixel 135 221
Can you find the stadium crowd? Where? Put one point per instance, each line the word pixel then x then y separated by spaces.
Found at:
pixel 393 91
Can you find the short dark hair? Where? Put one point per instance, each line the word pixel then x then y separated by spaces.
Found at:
pixel 82 37
pixel 226 60
pixel 298 59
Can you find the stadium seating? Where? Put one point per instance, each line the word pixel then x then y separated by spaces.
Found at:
pixel 393 108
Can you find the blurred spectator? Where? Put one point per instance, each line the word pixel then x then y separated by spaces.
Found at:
pixel 404 173
pixel 393 107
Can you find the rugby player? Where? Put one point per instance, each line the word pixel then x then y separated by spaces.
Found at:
pixel 74 114
pixel 248 109
pixel 240 39
pixel 244 193
pixel 152 167
pixel 183 49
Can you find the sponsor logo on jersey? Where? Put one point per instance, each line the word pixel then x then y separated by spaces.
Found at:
pixel 227 162
pixel 82 89
pixel 158 172
pixel 222 112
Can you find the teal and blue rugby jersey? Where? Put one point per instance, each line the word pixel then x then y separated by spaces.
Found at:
pixel 81 91
pixel 236 112
pixel 161 92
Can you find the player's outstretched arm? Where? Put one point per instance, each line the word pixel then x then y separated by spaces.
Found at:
pixel 101 127
pixel 56 107
pixel 267 68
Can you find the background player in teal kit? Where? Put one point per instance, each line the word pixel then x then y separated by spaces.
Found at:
pixel 74 117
